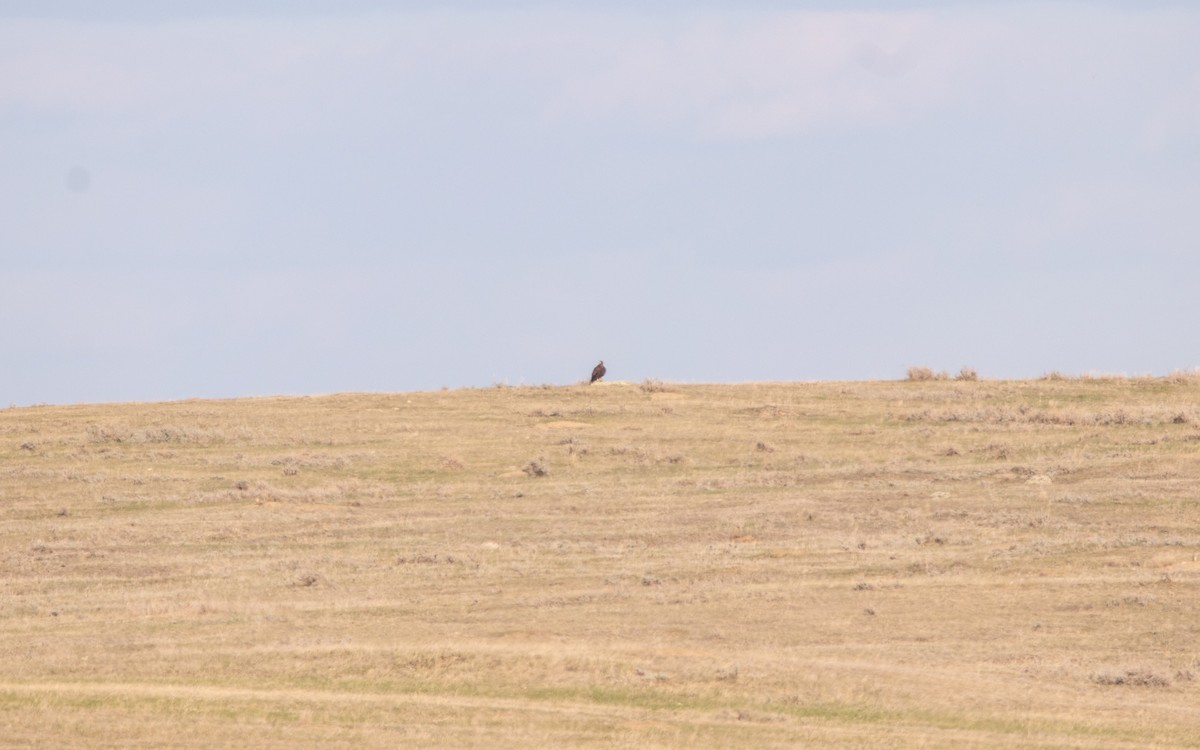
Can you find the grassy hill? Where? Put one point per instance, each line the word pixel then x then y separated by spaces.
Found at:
pixel 935 564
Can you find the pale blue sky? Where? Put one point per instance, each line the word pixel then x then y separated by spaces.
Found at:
pixel 307 197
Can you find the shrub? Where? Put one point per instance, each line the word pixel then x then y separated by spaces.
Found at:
pixel 967 373
pixel 925 373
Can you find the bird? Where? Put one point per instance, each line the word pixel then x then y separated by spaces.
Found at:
pixel 598 372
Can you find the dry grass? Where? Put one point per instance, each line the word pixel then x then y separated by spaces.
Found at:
pixel 934 563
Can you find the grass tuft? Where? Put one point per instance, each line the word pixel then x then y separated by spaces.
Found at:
pixel 1132 678
pixel 536 468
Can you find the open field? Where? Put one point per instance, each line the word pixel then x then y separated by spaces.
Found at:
pixel 939 564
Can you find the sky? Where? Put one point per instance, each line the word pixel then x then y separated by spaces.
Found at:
pixel 225 199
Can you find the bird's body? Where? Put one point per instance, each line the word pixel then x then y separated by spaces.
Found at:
pixel 598 372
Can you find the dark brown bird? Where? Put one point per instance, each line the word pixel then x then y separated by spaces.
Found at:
pixel 597 372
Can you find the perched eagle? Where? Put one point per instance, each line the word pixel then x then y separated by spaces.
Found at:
pixel 597 372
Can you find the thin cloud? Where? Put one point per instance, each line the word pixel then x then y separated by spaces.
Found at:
pixel 771 74
pixel 1176 119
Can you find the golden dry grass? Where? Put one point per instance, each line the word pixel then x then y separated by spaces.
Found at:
pixel 943 564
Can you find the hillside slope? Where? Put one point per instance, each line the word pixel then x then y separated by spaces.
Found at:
pixel 942 564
